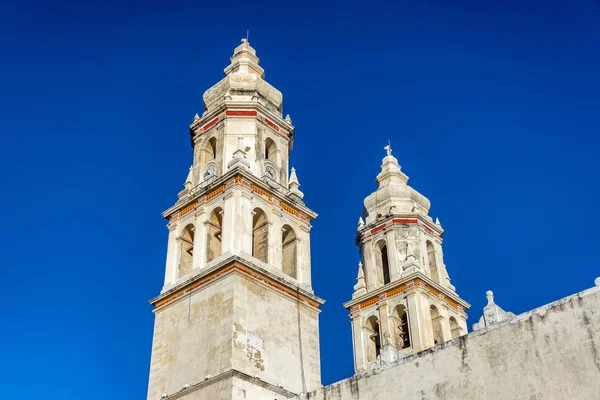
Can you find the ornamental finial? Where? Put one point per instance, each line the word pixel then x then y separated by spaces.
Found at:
pixel 388 149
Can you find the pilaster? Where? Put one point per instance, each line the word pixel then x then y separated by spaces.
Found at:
pixel 199 256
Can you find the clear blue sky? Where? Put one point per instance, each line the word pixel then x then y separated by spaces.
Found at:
pixel 492 108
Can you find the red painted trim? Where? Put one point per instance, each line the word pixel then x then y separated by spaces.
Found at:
pixel 241 113
pixel 272 125
pixel 210 124
pixel 394 221
pixel 405 221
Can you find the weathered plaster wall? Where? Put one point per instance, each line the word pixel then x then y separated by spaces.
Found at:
pixel 266 337
pixel 192 338
pixel 552 352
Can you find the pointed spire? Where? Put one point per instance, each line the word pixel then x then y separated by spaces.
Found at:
pixel 437 222
pixel 294 184
pixel 190 177
pixel 361 287
pixel 288 119
pixel 361 222
pixel 196 117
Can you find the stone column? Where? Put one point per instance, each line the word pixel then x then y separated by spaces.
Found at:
pixel 275 235
pixel 245 225
pixel 200 233
pixel 303 255
pixel 388 351
pixel 171 265
pixel 393 263
pixel 419 321
pixel 369 265
pixel 445 323
pixel 228 242
pixel 357 342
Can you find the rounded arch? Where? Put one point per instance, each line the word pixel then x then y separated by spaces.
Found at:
pixel 436 324
pixel 271 151
pixel 260 234
pixel 214 236
pixel 454 327
pixel 433 268
pixel 209 150
pixel 382 263
pixel 186 249
pixel 401 327
pixel 289 252
pixel 373 346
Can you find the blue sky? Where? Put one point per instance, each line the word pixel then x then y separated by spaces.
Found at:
pixel 492 109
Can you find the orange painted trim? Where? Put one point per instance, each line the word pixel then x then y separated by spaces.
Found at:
pixel 237 267
pixel 408 285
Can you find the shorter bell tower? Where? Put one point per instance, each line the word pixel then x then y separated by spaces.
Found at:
pixel 403 301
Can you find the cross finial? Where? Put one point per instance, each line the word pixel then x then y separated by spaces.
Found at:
pixel 388 149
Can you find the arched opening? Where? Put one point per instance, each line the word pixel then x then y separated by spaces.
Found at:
pixel 401 329
pixel 454 328
pixel 373 339
pixel 213 242
pixel 382 263
pixel 186 243
pixel 260 235
pixel 288 250
pixel 209 150
pixel 433 270
pixel 436 324
pixel 270 150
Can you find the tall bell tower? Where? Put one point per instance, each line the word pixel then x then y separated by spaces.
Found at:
pixel 403 301
pixel 237 317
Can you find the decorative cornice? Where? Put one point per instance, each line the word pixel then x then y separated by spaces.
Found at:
pixel 238 176
pixel 408 219
pixel 240 265
pixel 417 280
pixel 241 110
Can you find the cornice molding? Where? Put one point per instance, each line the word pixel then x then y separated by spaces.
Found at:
pixel 238 176
pixel 231 265
pixel 416 280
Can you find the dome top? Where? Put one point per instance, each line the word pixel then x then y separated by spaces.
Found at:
pixel 244 81
pixel 393 195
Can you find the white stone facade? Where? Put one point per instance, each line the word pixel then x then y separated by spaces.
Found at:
pixel 403 302
pixel 237 314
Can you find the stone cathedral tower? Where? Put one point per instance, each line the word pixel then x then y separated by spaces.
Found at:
pixel 237 317
pixel 403 301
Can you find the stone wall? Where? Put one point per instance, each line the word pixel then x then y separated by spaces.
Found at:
pixel 552 352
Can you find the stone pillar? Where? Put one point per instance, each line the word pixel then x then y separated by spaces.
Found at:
pixel 388 351
pixel 275 236
pixel 171 265
pixel 357 342
pixel 369 265
pixel 419 320
pixel 245 225
pixel 303 255
pixel 393 263
pixel 445 322
pixel 228 221
pixel 200 234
